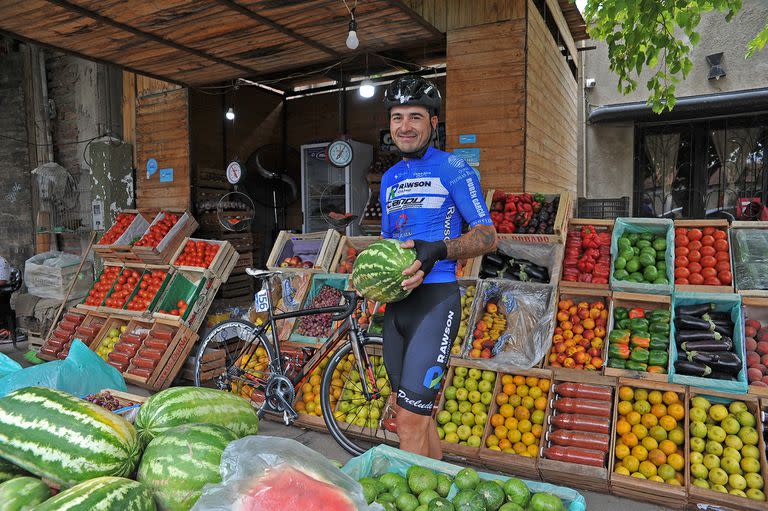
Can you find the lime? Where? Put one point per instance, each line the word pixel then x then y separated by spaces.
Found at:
pixel 468 500
pixel 407 502
pixel 441 504
pixel 492 493
pixel 466 479
pixel 517 492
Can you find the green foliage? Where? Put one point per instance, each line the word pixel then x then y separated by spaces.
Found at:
pixel 656 35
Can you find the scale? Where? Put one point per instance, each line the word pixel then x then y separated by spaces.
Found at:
pixel 235 210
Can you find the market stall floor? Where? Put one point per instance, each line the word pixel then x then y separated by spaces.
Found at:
pixel 322 443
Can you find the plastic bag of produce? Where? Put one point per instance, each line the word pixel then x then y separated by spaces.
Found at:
pixel 8 366
pixel 262 473
pixel 750 258
pixel 660 227
pixel 383 458
pixel 82 373
pixel 528 309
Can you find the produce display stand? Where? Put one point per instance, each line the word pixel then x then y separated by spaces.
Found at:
pixel 737 229
pixel 646 302
pixel 580 295
pixel 564 210
pixel 756 308
pixel 522 466
pixel 319 248
pixel 196 290
pixel 212 364
pixel 89 327
pixel 222 265
pixel 657 226
pixel 634 488
pixel 575 224
pixel 112 321
pixel 162 253
pixel 121 249
pixel 335 280
pixel 358 243
pixel 718 224
pixel 703 498
pixel 82 306
pixel 574 474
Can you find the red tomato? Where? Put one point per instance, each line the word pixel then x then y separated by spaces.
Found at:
pixel 694 267
pixel 723 266
pixel 696 279
pixel 725 277
pixel 682 231
pixel 708 231
pixel 723 256
pixel 681 261
pixel 711 282
pixel 720 235
pixel 683 282
pixel 708 261
pixel 708 273
pixel 721 245
pixel 707 241
pixel 707 250
pixel 694 256
pixel 682 273
pixel 694 234
pixel 681 241
pixel 695 245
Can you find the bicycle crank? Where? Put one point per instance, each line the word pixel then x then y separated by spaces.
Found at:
pixel 280 394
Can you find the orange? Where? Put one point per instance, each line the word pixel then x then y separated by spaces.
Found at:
pixel 497 420
pixel 506 410
pixel 629 439
pixel 514 436
pixel 533 450
pixel 522 390
pixel 491 441
pixel 633 417
pixel 623 426
pixel 648 469
pixel 640 452
pixel 307 397
pixel 667 447
pixel 536 429
pixel 528 438
pixel 626 393
pixel 659 410
pixel 510 423
pixel 544 384
pixel 668 422
pixel 527 401
pixel 641 395
pixel 514 400
pixel 519 447
pixel 500 431
pixel 670 397
pixel 631 463
pixel 311 407
pixel 640 431
pixel 679 478
pixel 532 381
pixel 315 379
pixel 621 469
pixel 657 457
pixel 540 403
pixel 524 426
pixel 306 388
pixel 299 406
pixel 676 461
pixel 509 388
pixel 676 410
pixel 622 451
pixel 507 378
pixel 504 443
pixel 655 397
pixel 522 413
pixel 501 398
pixel 624 407
pixel 519 380
pixel 649 443
pixel 649 420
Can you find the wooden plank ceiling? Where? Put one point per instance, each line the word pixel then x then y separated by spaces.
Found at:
pixel 198 42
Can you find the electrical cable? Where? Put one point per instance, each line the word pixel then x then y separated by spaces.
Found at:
pixel 54 143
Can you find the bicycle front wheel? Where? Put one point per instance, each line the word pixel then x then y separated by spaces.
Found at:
pixel 353 419
pixel 235 356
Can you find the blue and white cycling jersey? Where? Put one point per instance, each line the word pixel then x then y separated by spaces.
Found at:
pixel 427 199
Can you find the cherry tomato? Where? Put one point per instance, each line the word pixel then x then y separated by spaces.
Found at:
pixel 696 279
pixel 694 234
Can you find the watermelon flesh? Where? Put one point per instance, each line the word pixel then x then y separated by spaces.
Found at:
pixel 286 487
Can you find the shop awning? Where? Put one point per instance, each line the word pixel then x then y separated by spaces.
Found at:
pixel 196 42
pixel 691 107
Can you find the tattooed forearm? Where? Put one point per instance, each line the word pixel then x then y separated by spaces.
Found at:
pixel 479 240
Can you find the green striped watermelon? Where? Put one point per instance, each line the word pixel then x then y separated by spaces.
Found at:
pixel 102 494
pixel 178 463
pixel 184 405
pixel 378 271
pixel 22 493
pixel 64 439
pixel 8 470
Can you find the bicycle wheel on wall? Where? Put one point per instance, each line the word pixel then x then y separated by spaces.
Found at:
pixel 353 420
pixel 236 358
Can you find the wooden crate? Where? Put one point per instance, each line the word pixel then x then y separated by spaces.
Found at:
pixel 162 253
pixel 742 287
pixel 647 302
pixel 721 225
pixel 564 211
pixel 356 242
pixel 546 254
pixel 512 463
pixel 575 224
pixel 187 285
pixel 754 307
pixel 169 365
pixel 327 242
pixel 222 264
pixel 661 494
pixel 113 321
pixel 82 306
pixel 588 295
pixel 120 250
pixel 573 474
pixel 702 498
pixel 212 364
pixel 48 350
pixel 92 319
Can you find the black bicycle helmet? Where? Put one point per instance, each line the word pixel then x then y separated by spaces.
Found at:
pixel 413 90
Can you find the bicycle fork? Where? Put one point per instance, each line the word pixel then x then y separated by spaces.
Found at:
pixel 365 368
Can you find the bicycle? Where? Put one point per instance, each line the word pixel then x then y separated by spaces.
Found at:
pixel 255 369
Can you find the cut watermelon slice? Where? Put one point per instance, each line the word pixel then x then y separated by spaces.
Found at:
pixel 286 487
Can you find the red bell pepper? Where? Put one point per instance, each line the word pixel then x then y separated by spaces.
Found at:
pixel 637 312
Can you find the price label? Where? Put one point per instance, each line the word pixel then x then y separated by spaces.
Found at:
pixel 262 301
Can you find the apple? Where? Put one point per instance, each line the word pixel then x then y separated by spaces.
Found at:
pixel 443 417
pixel 730 425
pixel 746 418
pixel 750 465
pixel 755 494
pixel 719 488
pixel 711 461
pixel 698 415
pixel 460 371
pixel 701 483
pixel 450 392
pixel 734 441
pixel 730 452
pixel 754 480
pixel 748 435
pixel 750 451
pixel 696 457
pixel 480 419
pixel 473 441
pixel 716 433
pixel 450 427
pixel 489 376
pixel 456 417
pixel 470 384
pixel 451 405
pixel 737 482
pixel 474 396
pixel 698 429
pixel 486 398
pixel 731 466
pixel 468 419
pixel 718 476
pixel 699 471
pixel 458 381
pixel 475 374
pixel 465 406
pixel 718 412
pixel 486 386
pixel 700 402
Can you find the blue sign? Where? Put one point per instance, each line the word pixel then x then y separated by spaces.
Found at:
pixel 468 139
pixel 471 155
pixel 166 175
pixel 151 167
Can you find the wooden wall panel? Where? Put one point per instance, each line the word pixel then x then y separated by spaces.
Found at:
pixel 485 95
pixel 551 136
pixel 162 133
pixel 448 15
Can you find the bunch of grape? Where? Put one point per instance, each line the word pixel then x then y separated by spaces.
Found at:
pixel 319 325
pixel 105 400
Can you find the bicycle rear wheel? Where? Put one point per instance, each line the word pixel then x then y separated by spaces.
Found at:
pixel 235 358
pixel 354 420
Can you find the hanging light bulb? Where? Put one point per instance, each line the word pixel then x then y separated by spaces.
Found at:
pixel 352 41
pixel 367 88
pixel 230 115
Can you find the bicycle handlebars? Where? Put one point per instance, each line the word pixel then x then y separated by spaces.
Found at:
pixel 351 304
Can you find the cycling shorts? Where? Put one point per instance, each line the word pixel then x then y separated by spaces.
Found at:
pixel 418 335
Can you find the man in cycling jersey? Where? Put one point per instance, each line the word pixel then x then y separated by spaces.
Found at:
pixel 425 198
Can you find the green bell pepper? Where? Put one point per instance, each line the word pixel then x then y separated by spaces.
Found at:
pixel 658 358
pixel 617 363
pixel 639 355
pixel 639 324
pixel 620 313
pixel 624 324
pixel 658 344
pixel 659 328
pixel 619 337
pixel 618 351
pixel 636 366
pixel 659 316
pixel 639 341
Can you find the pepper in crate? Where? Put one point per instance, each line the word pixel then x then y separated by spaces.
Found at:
pixel 587 256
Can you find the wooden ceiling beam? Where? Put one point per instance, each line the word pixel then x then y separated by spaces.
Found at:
pixel 231 4
pixel 150 36
pixel 415 17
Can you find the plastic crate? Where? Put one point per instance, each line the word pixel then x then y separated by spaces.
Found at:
pixel 603 208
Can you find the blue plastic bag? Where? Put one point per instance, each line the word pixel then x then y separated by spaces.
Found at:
pixel 658 226
pixel 723 303
pixel 383 458
pixel 82 373
pixel 8 366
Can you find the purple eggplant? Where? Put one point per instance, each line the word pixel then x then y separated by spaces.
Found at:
pixel 696 335
pixel 722 361
pixel 687 322
pixel 688 368
pixel 724 345
pixel 694 310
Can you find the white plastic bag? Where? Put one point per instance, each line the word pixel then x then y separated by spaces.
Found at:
pixel 263 473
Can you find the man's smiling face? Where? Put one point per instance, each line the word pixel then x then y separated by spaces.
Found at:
pixel 411 127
